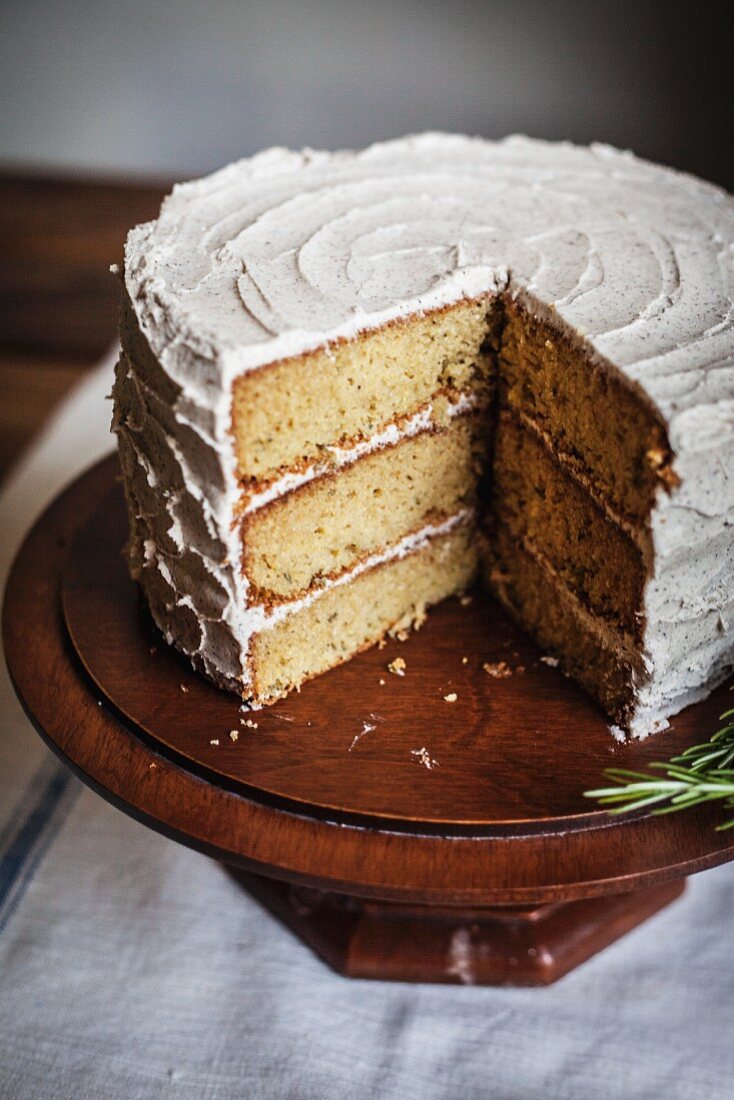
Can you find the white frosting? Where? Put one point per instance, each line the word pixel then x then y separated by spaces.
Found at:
pixel 285 252
pixel 689 601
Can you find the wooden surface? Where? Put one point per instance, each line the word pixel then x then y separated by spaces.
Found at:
pixel 534 945
pixel 403 860
pixel 58 304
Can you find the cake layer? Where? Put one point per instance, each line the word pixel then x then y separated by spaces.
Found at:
pixel 288 412
pixel 540 502
pixel 588 649
pixel 350 617
pixel 590 413
pixel 318 530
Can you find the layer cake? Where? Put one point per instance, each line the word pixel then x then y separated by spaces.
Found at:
pixel 352 382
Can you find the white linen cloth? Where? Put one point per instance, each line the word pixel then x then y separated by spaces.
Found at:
pixel 133 968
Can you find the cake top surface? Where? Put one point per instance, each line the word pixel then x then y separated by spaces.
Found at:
pixel 280 253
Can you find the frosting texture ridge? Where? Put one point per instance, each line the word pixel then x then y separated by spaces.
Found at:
pixel 275 255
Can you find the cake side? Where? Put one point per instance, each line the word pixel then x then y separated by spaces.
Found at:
pixel 597 657
pixel 540 502
pixel 598 422
pixel 689 598
pixel 647 562
pixel 578 461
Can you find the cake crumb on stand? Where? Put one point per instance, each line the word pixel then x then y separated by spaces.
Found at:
pixel 423 757
pixel 498 670
pixel 367 727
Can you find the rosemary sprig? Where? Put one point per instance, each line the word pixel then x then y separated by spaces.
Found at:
pixel 703 773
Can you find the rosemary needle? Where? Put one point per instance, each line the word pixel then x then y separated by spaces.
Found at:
pixel 703 773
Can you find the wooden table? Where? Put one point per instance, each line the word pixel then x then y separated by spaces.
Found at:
pixel 58 301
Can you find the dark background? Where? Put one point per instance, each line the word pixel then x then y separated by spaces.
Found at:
pixel 178 88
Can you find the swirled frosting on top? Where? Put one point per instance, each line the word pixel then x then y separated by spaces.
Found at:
pixel 287 251
pixel 277 254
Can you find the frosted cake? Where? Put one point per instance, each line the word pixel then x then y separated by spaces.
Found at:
pixel 350 383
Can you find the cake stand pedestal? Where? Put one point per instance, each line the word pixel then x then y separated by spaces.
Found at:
pixel 401 836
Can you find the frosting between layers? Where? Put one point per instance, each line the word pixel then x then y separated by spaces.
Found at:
pixel 286 252
pixel 421 421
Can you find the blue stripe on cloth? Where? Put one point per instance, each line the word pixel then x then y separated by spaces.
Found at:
pixel 27 798
pixel 26 840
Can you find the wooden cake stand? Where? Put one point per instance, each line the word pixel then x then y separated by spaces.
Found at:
pixel 400 835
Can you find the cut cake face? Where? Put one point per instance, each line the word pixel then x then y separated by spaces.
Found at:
pixel 350 383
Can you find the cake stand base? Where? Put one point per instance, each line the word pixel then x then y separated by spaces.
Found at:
pixel 513 945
